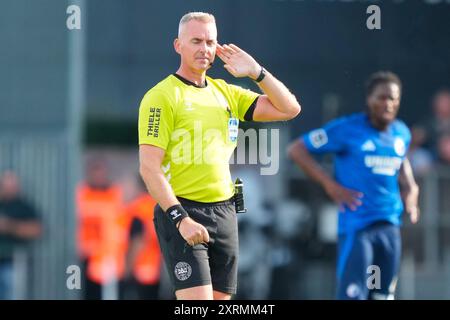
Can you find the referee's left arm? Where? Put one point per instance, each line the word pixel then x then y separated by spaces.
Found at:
pixel 277 103
pixel 150 158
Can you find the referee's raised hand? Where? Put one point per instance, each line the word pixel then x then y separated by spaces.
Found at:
pixel 193 232
pixel 238 62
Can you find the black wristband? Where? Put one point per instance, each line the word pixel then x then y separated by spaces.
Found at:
pixel 176 213
pixel 261 76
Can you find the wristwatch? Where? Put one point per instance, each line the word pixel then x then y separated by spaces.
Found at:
pixel 261 76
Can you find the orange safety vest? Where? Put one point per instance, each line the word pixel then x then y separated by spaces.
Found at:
pixel 102 232
pixel 147 266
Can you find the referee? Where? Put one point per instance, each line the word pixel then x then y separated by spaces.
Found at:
pixel 188 127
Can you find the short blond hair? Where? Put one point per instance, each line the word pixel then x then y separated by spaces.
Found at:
pixel 199 16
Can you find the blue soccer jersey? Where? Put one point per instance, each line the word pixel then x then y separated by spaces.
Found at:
pixel 367 160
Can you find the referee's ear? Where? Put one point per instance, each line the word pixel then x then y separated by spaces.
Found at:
pixel 176 45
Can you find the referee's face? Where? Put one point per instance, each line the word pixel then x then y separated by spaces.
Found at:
pixel 197 45
pixel 384 102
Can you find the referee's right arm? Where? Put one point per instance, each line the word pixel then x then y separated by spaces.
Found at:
pixel 150 158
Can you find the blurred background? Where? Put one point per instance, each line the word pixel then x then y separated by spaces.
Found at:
pixel 69 104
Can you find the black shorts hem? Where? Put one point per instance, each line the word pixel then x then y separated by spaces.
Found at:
pixel 229 290
pixel 192 284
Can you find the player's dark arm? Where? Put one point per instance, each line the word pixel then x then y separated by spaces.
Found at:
pixel 302 157
pixel 135 246
pixel 150 158
pixel 406 178
pixel 409 190
pixel 277 103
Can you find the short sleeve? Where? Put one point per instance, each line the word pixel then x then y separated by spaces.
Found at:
pixel 156 120
pixel 245 101
pixel 329 138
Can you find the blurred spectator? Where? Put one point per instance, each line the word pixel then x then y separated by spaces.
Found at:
pixel 421 159
pixel 439 124
pixel 144 256
pixel 102 233
pixel 444 149
pixel 19 224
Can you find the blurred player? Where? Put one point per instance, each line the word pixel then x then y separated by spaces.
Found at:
pixel 372 177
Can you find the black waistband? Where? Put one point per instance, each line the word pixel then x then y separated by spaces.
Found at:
pixel 191 203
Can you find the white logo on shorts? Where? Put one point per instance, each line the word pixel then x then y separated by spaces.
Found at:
pixel 183 271
pixel 352 290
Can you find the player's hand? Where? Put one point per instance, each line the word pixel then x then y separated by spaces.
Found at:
pixel 238 62
pixel 193 232
pixel 411 203
pixel 343 196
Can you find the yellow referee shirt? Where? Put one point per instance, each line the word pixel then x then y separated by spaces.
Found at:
pixel 197 127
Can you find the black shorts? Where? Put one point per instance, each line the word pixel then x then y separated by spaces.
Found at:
pixel 213 263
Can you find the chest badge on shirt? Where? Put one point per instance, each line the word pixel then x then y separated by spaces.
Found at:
pixel 399 147
pixel 318 138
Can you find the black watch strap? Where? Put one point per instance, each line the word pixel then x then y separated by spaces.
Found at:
pixel 261 76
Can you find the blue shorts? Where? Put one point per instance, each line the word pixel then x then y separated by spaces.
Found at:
pixel 368 262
